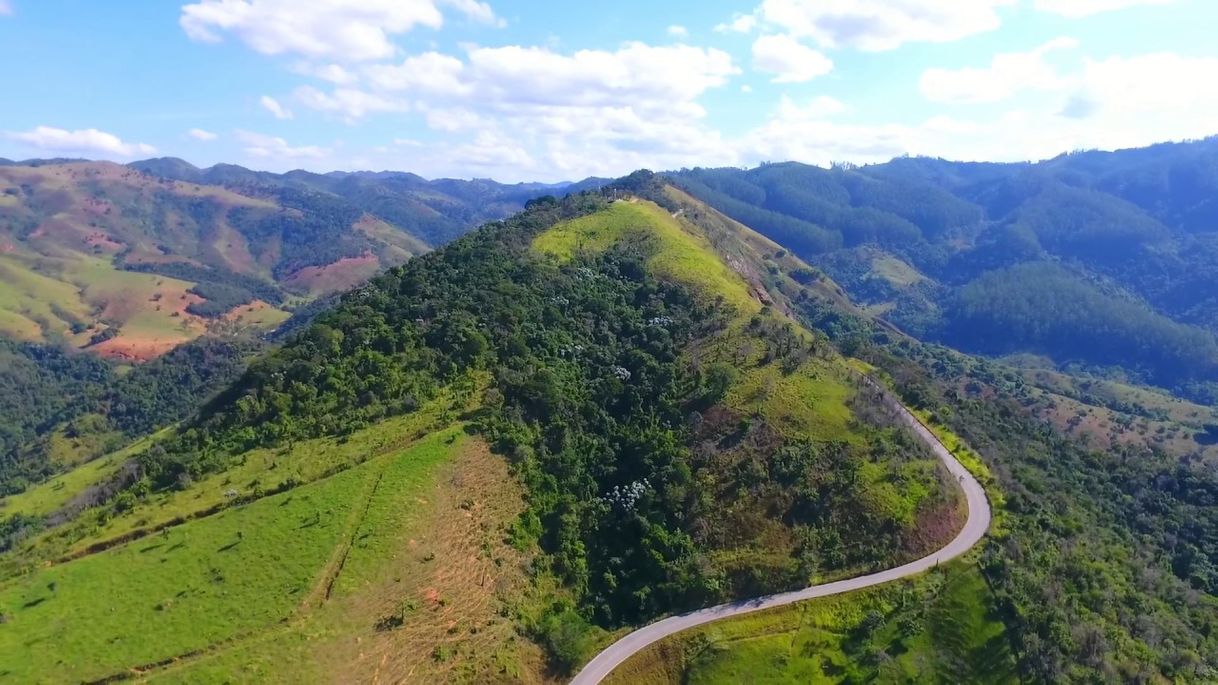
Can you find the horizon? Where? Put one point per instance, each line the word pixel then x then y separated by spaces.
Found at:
pixel 518 92
pixel 573 181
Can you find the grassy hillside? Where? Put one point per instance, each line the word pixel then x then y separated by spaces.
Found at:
pixel 666 436
pixel 218 582
pixel 1101 568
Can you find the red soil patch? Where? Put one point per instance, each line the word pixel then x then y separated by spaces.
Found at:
pixel 343 274
pixel 132 349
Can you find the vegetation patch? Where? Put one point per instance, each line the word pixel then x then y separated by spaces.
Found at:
pixel 939 627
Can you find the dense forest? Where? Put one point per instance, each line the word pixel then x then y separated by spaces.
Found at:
pixel 1107 567
pixel 1103 561
pixel 1001 258
pixel 48 390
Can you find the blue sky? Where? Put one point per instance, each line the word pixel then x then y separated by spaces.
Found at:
pixel 519 90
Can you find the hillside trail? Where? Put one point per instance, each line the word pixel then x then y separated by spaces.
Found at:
pixel 975 527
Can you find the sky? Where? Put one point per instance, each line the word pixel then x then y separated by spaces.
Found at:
pixel 544 91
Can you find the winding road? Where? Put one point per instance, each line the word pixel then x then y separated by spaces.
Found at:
pixel 974 529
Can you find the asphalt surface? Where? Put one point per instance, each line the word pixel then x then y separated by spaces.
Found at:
pixel 974 529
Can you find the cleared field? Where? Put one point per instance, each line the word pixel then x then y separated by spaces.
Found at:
pixel 427 592
pixel 895 271
pixel 195 587
pixel 258 472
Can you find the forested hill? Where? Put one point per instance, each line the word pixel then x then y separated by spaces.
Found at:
pixel 130 261
pixel 1104 259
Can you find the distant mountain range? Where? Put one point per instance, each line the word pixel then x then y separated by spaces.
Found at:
pixel 1101 259
pixel 133 260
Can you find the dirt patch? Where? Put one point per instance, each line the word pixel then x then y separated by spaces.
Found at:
pixel 443 612
pixel 343 274
pixel 102 242
pixel 137 349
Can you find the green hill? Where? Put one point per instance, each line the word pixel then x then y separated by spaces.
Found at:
pixel 664 435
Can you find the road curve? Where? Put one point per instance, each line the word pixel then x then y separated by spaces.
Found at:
pixel 972 532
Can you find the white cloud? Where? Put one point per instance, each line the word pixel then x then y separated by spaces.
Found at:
pixel 1007 74
pixel 352 103
pixel 739 23
pixel 272 105
pixel 5 8
pixel 334 73
pixel 266 147
pixel 342 30
pixel 477 11
pixel 491 150
pixel 200 134
pixel 564 133
pixel 876 25
pixel 790 60
pixel 89 141
pixel 534 76
pixel 674 73
pixel 1130 102
pixel 557 115
pixel 429 73
pixel 678 31
pixel 1084 8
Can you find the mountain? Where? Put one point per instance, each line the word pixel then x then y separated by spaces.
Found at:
pixel 479 463
pixel 488 463
pixel 435 211
pixel 130 261
pixel 1106 260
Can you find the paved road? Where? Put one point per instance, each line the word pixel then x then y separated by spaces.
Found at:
pixel 974 529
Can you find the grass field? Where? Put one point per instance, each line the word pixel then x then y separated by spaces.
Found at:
pixel 676 252
pixel 934 628
pixel 426 594
pixel 894 270
pixel 258 471
pixel 204 583
pixel 46 497
pixel 198 584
